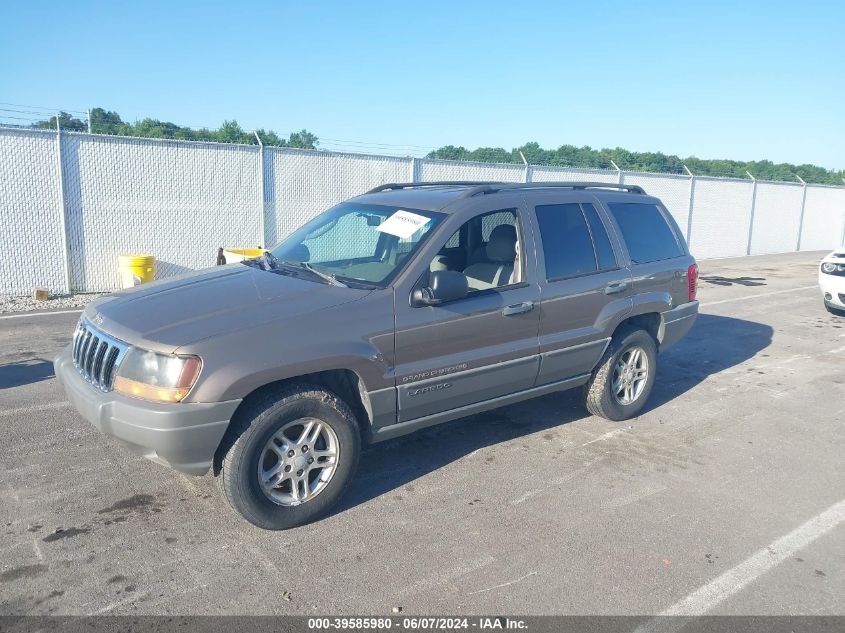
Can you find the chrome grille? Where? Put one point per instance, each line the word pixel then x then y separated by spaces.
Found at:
pixel 96 355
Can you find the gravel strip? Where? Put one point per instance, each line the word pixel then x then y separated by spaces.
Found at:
pixel 55 302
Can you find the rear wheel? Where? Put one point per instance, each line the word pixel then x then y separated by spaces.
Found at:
pixel 621 385
pixel 289 457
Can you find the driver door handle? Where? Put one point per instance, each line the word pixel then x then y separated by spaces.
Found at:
pixel 616 286
pixel 518 308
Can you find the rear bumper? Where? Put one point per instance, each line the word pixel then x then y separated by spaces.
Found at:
pixel 183 436
pixel 676 323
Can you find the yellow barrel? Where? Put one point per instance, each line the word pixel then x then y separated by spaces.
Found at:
pixel 233 255
pixel 136 269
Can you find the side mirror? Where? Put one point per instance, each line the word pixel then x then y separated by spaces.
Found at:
pixel 444 285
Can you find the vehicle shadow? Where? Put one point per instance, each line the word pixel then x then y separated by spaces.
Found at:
pixel 25 372
pixel 714 344
pixel 717 280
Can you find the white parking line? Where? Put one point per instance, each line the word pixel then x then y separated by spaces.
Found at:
pixel 762 294
pixel 734 580
pixel 35 314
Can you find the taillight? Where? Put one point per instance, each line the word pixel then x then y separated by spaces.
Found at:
pixel 692 281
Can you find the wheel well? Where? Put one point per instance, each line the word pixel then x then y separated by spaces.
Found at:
pixel 650 322
pixel 344 383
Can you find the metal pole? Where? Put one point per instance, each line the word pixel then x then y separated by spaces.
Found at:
pixel 753 205
pixel 526 176
pixel 618 171
pixel 801 220
pixel 89 120
pixel 62 206
pixel 415 169
pixel 842 239
pixel 691 203
pixel 262 240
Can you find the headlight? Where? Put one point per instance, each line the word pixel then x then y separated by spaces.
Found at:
pixel 832 268
pixel 159 377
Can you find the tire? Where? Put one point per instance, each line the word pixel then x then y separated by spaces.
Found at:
pixel 599 397
pixel 279 417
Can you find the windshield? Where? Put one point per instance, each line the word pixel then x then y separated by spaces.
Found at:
pixel 358 243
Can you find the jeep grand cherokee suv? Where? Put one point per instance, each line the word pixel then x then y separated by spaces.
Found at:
pixel 399 309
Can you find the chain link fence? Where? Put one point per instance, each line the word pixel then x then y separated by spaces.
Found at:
pixel 71 202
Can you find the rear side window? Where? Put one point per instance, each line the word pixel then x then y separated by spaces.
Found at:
pixel 645 231
pixel 567 245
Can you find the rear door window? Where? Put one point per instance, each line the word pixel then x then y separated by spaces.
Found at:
pixel 646 232
pixel 567 244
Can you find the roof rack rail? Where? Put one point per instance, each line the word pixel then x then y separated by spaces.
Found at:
pixel 485 188
pixel 392 186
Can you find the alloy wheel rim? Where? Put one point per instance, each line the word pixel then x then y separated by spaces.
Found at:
pixel 298 461
pixel 630 374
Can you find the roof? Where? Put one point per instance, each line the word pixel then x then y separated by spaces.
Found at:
pixel 434 196
pixel 423 198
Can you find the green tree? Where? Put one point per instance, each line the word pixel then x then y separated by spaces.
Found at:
pixel 449 152
pixel 108 122
pixel 658 162
pixel 303 139
pixel 66 122
pixel 105 121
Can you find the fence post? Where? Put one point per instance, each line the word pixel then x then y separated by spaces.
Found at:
pixel 62 205
pixel 691 203
pixel 619 176
pixel 753 205
pixel 526 176
pixel 842 241
pixel 801 220
pixel 415 170
pixel 262 241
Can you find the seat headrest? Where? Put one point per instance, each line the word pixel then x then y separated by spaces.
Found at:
pixel 504 230
pixel 502 244
pixel 440 262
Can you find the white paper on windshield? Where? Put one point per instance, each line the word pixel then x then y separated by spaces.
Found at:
pixel 403 224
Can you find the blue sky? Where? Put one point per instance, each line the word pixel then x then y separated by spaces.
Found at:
pixel 743 80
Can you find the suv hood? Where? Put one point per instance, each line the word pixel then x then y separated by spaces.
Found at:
pixel 171 313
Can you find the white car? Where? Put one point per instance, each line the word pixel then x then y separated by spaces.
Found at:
pixel 832 281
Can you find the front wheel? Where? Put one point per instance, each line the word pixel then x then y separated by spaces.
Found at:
pixel 621 385
pixel 289 456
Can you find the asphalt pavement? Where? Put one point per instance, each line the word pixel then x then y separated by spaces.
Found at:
pixel 724 497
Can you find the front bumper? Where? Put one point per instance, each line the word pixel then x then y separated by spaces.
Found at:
pixel 833 286
pixel 183 436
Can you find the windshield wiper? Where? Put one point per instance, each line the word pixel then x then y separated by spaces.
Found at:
pixel 270 262
pixel 328 277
